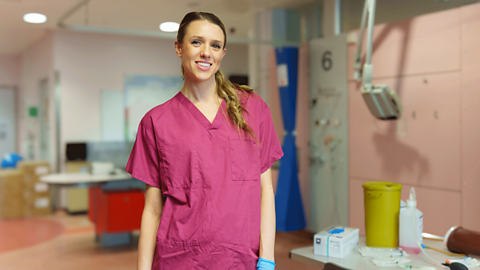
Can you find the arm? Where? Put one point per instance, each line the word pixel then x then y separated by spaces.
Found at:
pixel 267 225
pixel 148 230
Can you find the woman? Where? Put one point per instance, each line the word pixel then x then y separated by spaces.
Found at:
pixel 205 156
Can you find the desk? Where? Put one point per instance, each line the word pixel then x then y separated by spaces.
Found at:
pixel 115 203
pixel 66 179
pixel 355 261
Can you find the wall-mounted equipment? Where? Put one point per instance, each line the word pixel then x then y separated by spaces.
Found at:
pixel 382 102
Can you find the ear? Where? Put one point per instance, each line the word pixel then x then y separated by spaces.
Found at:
pixel 178 49
pixel 224 52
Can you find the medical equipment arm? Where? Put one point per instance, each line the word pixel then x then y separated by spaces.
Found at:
pixel 358 53
pixel 382 102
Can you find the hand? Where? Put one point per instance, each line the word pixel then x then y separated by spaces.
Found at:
pixel 264 264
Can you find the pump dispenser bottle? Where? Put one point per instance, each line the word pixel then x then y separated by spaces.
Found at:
pixel 411 226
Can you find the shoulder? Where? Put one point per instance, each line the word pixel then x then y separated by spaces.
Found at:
pixel 155 115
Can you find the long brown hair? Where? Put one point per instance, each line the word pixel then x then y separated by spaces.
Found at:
pixel 225 89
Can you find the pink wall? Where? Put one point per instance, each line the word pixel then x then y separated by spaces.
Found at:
pixel 10 70
pixel 470 115
pixel 90 62
pixel 432 62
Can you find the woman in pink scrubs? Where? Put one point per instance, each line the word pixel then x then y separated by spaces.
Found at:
pixel 205 156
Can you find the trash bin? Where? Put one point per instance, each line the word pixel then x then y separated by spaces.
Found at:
pixel 382 209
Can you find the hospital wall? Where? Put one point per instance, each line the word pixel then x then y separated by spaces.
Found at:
pixel 24 71
pixel 392 11
pixel 36 65
pixel 10 70
pixel 432 61
pixel 10 74
pixel 87 63
pixel 90 62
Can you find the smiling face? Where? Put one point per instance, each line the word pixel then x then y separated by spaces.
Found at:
pixel 201 50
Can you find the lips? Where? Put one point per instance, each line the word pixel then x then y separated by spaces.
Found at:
pixel 203 65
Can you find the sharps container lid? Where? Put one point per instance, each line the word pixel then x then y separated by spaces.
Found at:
pixel 386 186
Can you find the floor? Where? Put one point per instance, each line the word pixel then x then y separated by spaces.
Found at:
pixel 63 241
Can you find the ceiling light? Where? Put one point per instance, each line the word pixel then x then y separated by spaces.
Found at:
pixel 34 18
pixel 169 27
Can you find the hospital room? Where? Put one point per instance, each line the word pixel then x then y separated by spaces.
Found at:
pixel 242 135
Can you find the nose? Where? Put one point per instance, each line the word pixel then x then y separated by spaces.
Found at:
pixel 205 52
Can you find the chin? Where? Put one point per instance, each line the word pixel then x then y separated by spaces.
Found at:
pixel 204 77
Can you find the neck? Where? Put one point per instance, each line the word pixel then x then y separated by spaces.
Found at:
pixel 200 92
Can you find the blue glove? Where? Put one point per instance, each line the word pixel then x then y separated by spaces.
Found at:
pixel 265 264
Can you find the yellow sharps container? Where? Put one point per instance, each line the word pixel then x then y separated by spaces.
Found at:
pixel 382 208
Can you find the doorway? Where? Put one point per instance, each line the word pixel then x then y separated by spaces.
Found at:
pixel 43 120
pixel 8 131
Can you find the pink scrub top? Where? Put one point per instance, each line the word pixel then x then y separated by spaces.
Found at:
pixel 210 179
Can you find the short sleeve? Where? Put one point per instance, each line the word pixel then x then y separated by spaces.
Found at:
pixel 271 150
pixel 143 163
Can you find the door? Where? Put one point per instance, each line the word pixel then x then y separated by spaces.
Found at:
pixel 8 130
pixel 43 119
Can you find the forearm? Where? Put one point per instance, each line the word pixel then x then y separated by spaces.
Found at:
pixel 147 240
pixel 152 212
pixel 267 225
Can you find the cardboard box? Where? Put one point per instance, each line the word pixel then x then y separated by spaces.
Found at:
pixel 36 194
pixel 34 167
pixel 42 205
pixel 11 194
pixel 336 242
pixel 12 208
pixel 11 182
pixel 33 170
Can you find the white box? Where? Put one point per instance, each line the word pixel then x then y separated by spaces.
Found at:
pixel 101 168
pixel 336 242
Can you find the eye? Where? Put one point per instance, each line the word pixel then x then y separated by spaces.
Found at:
pixel 216 46
pixel 196 42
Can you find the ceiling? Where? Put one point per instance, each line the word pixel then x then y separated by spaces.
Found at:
pixel 17 35
pixel 146 15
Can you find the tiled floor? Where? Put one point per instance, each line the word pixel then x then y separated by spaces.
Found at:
pixel 67 242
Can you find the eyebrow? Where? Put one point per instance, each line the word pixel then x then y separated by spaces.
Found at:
pixel 199 37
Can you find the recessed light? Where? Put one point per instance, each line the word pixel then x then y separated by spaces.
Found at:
pixel 34 18
pixel 169 26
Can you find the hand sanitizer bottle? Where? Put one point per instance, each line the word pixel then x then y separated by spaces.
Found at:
pixel 411 226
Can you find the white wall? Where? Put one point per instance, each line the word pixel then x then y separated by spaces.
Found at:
pixel 90 62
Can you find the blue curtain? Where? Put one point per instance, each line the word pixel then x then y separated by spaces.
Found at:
pixel 288 202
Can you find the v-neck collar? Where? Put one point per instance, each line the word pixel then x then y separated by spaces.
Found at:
pixel 199 115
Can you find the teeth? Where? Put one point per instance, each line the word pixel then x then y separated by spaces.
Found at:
pixel 203 64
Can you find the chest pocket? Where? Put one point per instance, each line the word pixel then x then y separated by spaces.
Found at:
pixel 245 159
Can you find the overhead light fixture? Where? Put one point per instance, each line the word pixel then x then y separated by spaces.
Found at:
pixel 34 18
pixel 169 26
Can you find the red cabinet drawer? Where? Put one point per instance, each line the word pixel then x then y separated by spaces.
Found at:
pixel 118 211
